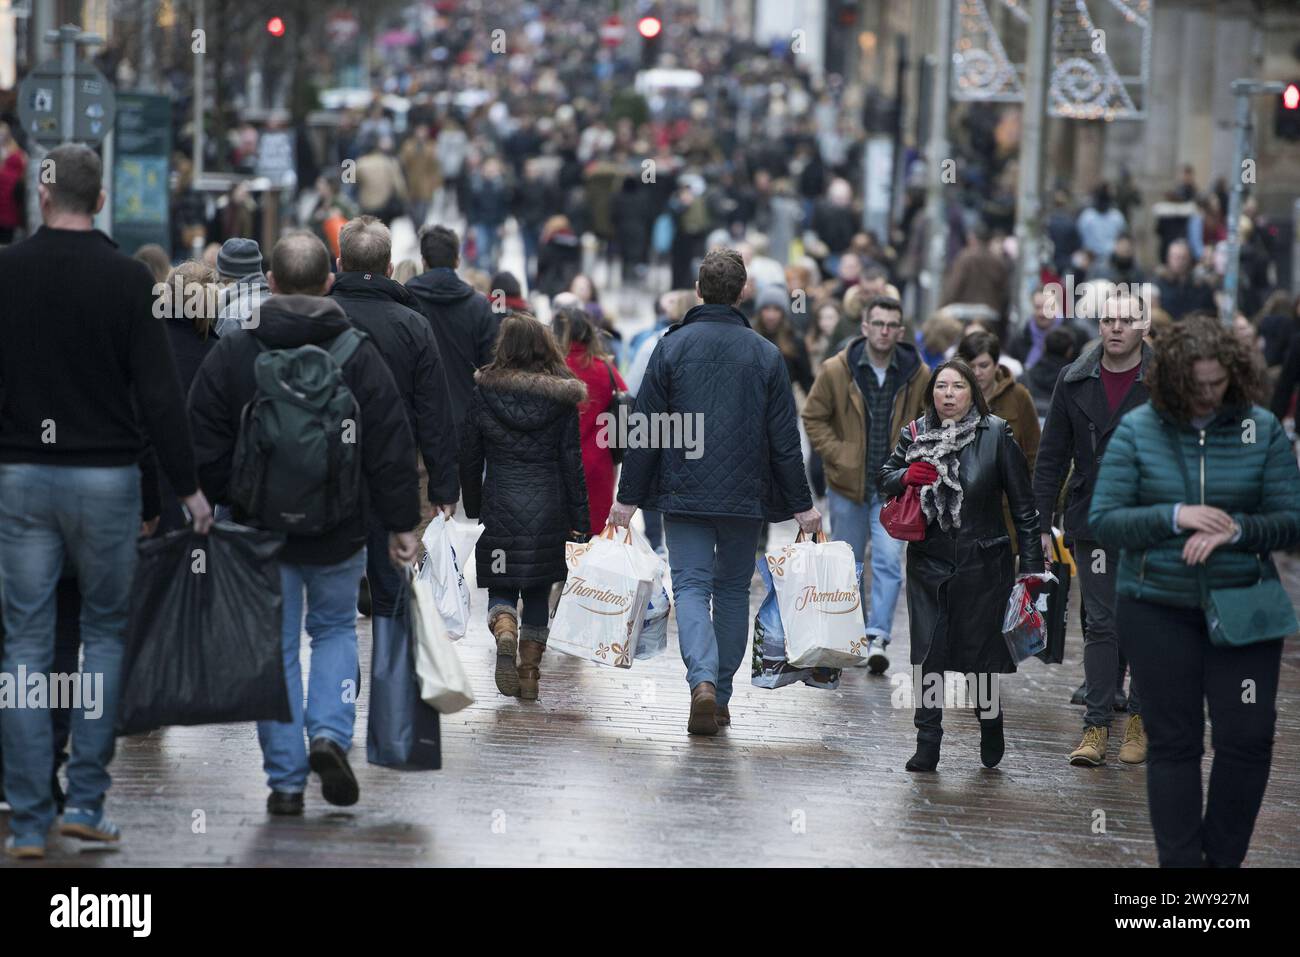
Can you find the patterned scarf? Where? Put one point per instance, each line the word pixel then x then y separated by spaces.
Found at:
pixel 941 446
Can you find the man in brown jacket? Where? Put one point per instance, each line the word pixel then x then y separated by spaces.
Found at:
pixel 864 397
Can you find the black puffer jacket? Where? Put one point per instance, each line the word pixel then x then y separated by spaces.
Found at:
pixel 463 325
pixel 389 314
pixel 524 427
pixel 225 384
pixel 958 581
pixel 744 460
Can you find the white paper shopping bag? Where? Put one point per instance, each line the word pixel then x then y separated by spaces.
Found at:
pixel 821 608
pixel 602 605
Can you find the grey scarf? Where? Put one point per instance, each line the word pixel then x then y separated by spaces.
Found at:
pixel 941 447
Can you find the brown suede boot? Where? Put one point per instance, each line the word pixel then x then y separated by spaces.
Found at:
pixel 503 622
pixel 704 709
pixel 531 645
pixel 723 715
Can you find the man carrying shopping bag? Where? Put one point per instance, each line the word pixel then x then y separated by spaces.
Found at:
pixel 711 373
pixel 298 424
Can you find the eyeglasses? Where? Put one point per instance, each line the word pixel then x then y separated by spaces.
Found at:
pixel 1128 322
pixel 885 326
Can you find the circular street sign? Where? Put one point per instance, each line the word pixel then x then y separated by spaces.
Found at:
pixel 40 105
pixel 612 31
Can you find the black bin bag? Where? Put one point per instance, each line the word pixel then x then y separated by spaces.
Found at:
pixel 203 641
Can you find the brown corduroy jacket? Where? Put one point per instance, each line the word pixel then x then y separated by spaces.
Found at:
pixel 835 417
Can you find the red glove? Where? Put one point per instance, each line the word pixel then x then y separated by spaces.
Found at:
pixel 921 473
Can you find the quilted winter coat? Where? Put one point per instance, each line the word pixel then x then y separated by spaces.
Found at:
pixel 744 460
pixel 1241 462
pixel 958 582
pixel 523 426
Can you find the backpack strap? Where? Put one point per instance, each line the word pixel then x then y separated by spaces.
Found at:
pixel 344 344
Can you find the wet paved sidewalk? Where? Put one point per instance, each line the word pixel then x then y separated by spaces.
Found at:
pixel 601 771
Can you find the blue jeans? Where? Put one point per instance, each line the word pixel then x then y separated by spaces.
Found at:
pixel 856 524
pixel 712 559
pixel 486 240
pixel 333 685
pixel 91 517
pixel 654 527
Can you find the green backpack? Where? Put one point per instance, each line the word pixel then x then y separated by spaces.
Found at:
pixel 297 461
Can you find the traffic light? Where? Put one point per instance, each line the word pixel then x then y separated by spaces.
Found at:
pixel 275 27
pixel 651 31
pixel 1287 123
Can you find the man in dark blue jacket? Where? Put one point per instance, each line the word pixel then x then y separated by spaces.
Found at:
pixel 720 394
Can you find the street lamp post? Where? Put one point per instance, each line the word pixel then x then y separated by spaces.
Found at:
pixel 1243 90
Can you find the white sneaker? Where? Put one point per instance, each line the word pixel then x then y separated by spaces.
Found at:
pixel 877 660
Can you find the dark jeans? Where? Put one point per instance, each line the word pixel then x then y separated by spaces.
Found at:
pixel 536 599
pixel 654 527
pixel 1103 664
pixel 1179 670
pixel 384 578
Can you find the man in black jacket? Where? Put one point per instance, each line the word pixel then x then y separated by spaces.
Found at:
pixel 388 313
pixel 461 317
pixel 715 379
pixel 1091 396
pixel 328 566
pixel 87 382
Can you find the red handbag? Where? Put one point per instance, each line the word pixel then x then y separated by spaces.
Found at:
pixel 901 516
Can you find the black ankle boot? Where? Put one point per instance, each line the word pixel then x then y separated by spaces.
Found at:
pixel 992 744
pixel 926 757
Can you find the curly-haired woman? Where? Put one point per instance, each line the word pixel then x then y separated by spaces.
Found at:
pixel 1195 489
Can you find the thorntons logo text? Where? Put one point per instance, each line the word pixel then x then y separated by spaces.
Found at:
pixel 810 595
pixel 578 587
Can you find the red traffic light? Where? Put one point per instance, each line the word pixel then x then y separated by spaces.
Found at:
pixel 649 27
pixel 1291 96
pixel 275 27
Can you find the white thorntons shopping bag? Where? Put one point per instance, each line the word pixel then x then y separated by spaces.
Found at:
pixel 444 685
pixel 442 571
pixel 821 608
pixel 603 602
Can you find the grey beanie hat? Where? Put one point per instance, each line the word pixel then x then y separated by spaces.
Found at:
pixel 772 295
pixel 239 258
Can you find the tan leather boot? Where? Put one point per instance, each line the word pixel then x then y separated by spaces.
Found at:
pixel 723 715
pixel 704 709
pixel 531 645
pixel 1134 748
pixel 504 625
pixel 1091 751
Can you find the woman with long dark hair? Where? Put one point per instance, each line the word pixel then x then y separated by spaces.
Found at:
pixel 522 425
pixel 1195 489
pixel 959 577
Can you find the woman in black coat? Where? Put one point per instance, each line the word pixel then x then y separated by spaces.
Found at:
pixel 959 577
pixel 522 424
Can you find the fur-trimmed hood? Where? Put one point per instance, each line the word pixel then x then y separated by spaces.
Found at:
pixel 528 400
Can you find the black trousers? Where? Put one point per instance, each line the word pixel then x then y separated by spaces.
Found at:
pixel 1179 671
pixel 537 603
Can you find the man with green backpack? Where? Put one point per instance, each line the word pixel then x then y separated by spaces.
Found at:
pixel 298 424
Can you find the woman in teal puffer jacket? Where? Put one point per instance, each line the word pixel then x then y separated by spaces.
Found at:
pixel 1195 489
